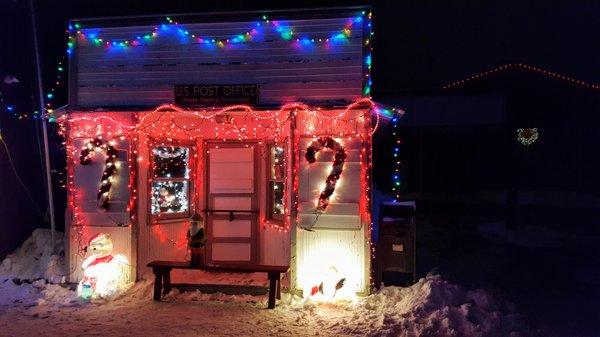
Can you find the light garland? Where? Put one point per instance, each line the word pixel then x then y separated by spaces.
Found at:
pixel 169 118
pixel 527 136
pixel 110 168
pixel 523 66
pixel 166 121
pixel 396 182
pixel 286 33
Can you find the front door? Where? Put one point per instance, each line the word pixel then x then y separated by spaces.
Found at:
pixel 231 203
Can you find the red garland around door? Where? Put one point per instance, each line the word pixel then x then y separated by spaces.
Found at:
pixel 336 170
pixel 110 168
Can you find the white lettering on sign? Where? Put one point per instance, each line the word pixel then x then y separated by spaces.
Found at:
pixel 216 94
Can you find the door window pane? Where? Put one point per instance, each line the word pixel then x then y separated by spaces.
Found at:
pixel 170 162
pixel 169 196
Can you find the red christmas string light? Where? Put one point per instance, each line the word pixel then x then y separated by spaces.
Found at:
pixel 169 121
pixel 524 66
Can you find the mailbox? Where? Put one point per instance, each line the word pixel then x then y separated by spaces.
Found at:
pixel 396 247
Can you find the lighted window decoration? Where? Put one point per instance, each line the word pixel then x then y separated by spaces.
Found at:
pixel 527 136
pixel 338 166
pixel 110 168
pixel 170 181
pixel 276 187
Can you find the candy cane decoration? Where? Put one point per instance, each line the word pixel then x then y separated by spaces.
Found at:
pixel 110 168
pixel 336 170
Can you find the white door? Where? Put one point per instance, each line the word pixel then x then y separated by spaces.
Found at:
pixel 231 203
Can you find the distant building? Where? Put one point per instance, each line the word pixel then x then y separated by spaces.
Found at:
pixel 515 134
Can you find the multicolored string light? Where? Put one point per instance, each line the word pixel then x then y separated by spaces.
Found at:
pixel 78 34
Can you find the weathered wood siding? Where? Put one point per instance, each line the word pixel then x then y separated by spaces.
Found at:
pixel 286 71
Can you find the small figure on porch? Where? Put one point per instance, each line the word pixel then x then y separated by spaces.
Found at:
pixel 196 237
pixel 102 272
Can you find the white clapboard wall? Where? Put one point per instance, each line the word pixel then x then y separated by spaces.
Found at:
pixel 114 221
pixel 286 71
pixel 338 236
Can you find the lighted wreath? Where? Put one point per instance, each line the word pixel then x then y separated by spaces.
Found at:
pixel 336 170
pixel 110 168
pixel 527 136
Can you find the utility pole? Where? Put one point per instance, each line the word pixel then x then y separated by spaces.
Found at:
pixel 44 126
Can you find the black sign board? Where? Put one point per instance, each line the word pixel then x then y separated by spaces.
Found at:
pixel 215 94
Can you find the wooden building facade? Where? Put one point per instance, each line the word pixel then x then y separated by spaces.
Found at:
pixel 234 116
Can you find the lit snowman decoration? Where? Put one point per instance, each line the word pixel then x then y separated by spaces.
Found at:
pixel 102 272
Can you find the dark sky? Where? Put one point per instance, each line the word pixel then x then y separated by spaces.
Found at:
pixel 418 44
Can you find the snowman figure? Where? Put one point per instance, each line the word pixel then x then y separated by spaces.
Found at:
pixel 102 272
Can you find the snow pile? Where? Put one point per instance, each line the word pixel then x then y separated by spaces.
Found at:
pixel 55 295
pixel 433 307
pixel 34 259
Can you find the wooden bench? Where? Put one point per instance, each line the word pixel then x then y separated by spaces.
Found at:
pixel 162 275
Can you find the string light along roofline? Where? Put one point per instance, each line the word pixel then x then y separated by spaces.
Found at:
pixel 524 66
pixel 285 32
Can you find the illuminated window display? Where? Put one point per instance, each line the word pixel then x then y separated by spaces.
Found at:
pixel 170 185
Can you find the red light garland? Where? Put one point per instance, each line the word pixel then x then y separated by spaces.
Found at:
pixel 524 66
pixel 173 123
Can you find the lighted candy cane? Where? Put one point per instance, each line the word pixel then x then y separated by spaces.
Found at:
pixel 336 170
pixel 110 168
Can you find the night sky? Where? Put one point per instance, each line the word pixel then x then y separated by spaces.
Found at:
pixel 427 43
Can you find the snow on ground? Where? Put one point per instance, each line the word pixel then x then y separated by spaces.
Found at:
pixel 431 307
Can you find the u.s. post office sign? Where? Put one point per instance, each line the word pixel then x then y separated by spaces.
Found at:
pixel 216 94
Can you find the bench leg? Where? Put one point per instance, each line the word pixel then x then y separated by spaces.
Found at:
pixel 273 278
pixel 278 286
pixel 167 281
pixel 158 273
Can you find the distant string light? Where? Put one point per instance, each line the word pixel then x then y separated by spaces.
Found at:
pixel 524 66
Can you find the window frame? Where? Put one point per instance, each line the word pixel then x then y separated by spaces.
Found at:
pixel 162 216
pixel 278 219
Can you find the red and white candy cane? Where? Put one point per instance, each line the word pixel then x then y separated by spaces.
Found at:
pixel 336 170
pixel 110 168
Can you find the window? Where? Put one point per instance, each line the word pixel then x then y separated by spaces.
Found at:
pixel 276 178
pixel 170 181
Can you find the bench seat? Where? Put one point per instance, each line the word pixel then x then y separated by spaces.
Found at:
pixel 162 275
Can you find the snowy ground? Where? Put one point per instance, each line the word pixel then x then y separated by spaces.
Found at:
pixel 431 307
pixel 548 267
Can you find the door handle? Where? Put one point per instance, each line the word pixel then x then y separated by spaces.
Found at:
pixel 230 211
